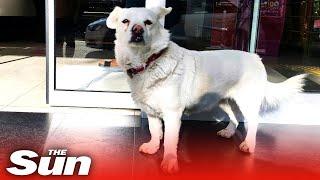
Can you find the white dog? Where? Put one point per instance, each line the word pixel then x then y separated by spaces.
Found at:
pixel 166 79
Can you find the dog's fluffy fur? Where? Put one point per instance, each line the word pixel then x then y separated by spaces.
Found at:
pixel 183 79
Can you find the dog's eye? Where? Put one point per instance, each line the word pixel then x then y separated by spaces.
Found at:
pixel 125 21
pixel 147 22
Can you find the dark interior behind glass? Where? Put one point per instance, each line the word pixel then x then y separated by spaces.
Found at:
pixel 211 24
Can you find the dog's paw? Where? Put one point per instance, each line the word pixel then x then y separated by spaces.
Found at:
pixel 169 164
pixel 226 133
pixel 149 148
pixel 247 147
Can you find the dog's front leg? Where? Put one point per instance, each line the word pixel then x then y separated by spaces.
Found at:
pixel 155 128
pixel 249 144
pixel 172 123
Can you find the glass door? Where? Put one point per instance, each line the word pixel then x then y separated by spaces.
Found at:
pixel 289 39
pixel 82 70
pixel 213 24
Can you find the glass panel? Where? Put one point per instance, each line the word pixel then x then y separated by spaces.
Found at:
pixel 289 38
pixel 84 46
pixel 211 24
pixel 22 32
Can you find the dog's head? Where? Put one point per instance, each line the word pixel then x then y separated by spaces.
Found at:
pixel 137 27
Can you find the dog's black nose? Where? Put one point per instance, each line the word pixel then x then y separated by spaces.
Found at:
pixel 137 34
pixel 137 29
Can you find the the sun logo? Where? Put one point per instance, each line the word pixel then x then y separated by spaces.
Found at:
pixel 62 165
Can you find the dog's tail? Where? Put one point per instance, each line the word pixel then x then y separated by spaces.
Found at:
pixel 279 92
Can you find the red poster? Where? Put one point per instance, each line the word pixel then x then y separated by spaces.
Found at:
pixel 272 17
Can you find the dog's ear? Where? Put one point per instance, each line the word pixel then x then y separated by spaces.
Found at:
pixel 161 11
pixel 114 17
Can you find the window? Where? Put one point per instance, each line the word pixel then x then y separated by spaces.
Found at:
pixel 211 24
pixel 84 47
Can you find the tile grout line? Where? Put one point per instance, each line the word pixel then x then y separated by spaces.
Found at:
pixel 19 59
pixel 21 95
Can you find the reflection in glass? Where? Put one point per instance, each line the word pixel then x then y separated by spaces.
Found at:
pixel 289 38
pixel 211 24
pixel 83 41
pixel 289 31
pixel 84 47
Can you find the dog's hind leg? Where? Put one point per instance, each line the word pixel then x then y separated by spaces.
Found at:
pixel 155 128
pixel 250 110
pixel 229 131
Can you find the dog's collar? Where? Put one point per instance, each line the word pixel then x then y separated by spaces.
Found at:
pixel 152 58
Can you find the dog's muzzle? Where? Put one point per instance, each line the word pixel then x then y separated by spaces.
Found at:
pixel 137 34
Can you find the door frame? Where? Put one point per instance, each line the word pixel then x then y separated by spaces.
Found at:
pixel 254 26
